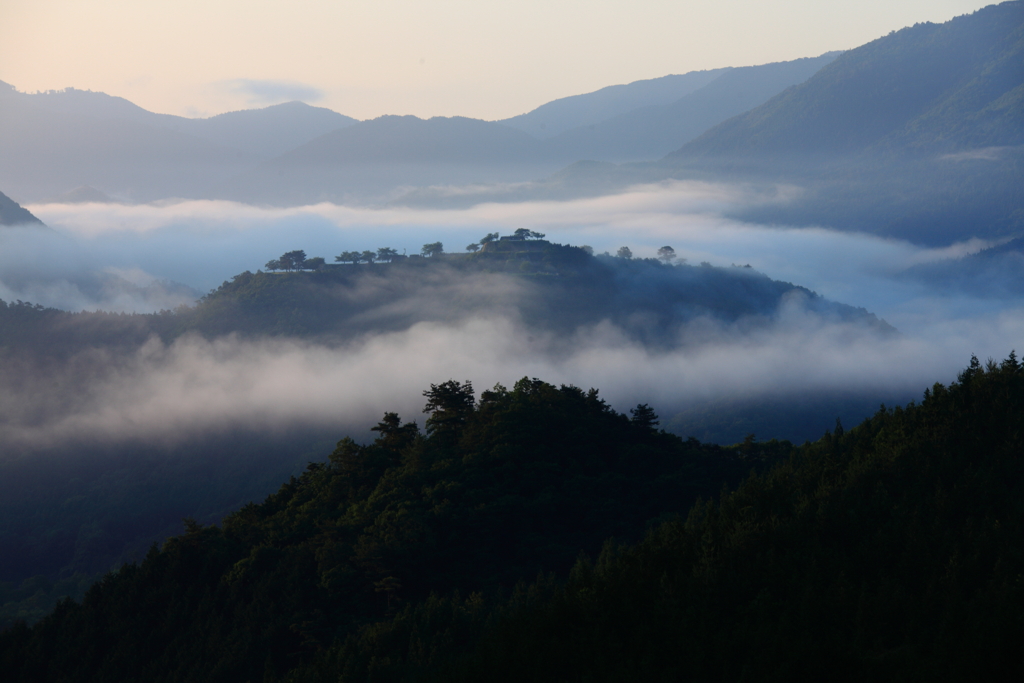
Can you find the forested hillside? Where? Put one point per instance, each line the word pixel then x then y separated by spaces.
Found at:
pixel 890 551
pixel 489 494
pixel 549 287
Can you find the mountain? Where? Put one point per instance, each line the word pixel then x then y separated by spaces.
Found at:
pixel 12 213
pixel 47 152
pixel 566 113
pixel 926 89
pixel 375 157
pixel 863 556
pixel 267 132
pixel 888 552
pixel 918 135
pixel 54 141
pixel 653 131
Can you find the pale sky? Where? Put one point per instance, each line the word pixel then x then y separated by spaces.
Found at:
pixel 487 59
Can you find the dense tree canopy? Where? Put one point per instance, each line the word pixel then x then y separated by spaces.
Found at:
pixel 494 492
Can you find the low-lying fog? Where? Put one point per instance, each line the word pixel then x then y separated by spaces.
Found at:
pixel 145 258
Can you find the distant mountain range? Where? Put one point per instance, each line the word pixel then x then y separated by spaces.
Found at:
pixel 290 153
pixel 918 135
pixel 53 142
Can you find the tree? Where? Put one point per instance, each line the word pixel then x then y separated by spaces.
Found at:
pixel 293 260
pixel 587 248
pixel 386 254
pixel 315 263
pixel 274 265
pixel 348 257
pixel 526 234
pixel 644 416
pixel 472 247
pixel 432 249
pixel 450 404
pixel 489 237
pixel 624 252
pixel 368 256
pixel 667 254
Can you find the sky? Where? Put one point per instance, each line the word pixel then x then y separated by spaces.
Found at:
pixel 367 58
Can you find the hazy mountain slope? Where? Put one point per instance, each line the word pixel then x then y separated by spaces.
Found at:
pixel 12 213
pixel 944 87
pixel 654 131
pixel 55 141
pixel 917 135
pixel 270 131
pixel 408 139
pixel 46 153
pixel 566 113
pixel 372 158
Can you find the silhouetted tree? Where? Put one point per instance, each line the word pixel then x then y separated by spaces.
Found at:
pixel 315 263
pixel 526 234
pixel 348 257
pixel 667 254
pixel 624 252
pixel 432 249
pixel 449 405
pixel 386 254
pixel 472 247
pixel 644 416
pixel 368 256
pixel 489 237
pixel 293 260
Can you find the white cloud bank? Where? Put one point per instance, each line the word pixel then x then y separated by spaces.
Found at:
pixel 194 385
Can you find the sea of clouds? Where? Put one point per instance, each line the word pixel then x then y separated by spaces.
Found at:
pixel 170 253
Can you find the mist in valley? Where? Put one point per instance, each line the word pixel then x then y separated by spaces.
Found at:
pixel 191 383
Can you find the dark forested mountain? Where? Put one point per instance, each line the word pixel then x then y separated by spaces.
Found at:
pixel 566 113
pixel 13 213
pixel 653 131
pixel 891 551
pixel 55 141
pixel 486 494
